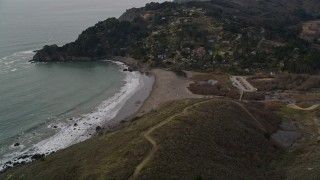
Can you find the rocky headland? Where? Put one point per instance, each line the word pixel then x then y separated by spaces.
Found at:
pixel 204 36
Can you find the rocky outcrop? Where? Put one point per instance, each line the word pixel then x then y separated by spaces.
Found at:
pixel 48 54
pixel 107 38
pixel 131 14
pixel 185 1
pixel 54 53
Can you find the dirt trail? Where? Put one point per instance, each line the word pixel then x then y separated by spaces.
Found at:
pixel 152 141
pixel 251 115
pixel 294 106
pixel 155 147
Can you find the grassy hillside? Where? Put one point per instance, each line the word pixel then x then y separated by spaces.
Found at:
pixel 194 139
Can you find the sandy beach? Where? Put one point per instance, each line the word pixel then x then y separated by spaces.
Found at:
pixel 167 86
pixel 154 90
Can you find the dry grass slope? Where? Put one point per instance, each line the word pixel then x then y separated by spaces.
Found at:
pixel 217 140
pixel 210 140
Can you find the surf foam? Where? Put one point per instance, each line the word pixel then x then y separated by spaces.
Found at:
pixel 82 127
pixel 15 61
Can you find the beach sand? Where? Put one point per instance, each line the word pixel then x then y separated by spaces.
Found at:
pixel 161 87
pixel 134 103
pixel 167 86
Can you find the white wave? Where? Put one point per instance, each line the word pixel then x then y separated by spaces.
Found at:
pixel 10 62
pixel 16 61
pixel 21 53
pixel 83 127
pixel 28 52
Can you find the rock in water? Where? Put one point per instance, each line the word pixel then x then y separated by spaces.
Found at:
pixel 98 128
pixel 37 156
pixel 48 54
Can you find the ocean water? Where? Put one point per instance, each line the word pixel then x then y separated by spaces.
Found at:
pixel 48 106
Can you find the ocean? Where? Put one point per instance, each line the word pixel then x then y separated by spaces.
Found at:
pixel 45 107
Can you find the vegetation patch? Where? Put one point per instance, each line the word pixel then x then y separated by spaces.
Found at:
pixel 297 82
pixel 257 95
pixel 221 87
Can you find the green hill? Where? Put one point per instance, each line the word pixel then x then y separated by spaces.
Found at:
pixel 231 36
pixel 186 139
pixel 309 6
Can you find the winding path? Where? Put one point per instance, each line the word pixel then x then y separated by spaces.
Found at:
pixel 148 137
pixel 294 106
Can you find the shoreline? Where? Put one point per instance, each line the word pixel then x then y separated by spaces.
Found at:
pixel 130 62
pixel 109 113
pixel 161 86
pixel 133 104
pixel 167 86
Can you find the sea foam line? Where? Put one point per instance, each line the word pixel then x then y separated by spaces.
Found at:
pixel 83 127
pixel 15 62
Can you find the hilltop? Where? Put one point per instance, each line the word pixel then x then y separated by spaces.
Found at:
pixel 311 7
pixel 193 138
pixel 230 36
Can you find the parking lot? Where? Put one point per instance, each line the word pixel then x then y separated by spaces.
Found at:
pixel 242 84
